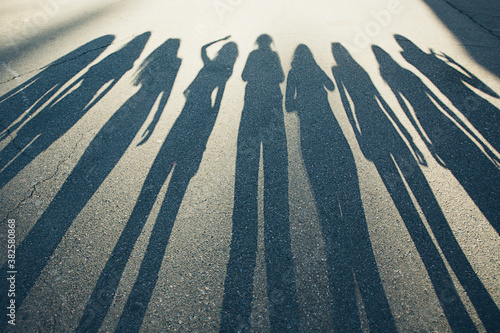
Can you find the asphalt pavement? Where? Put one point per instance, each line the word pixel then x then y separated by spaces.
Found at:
pixel 249 166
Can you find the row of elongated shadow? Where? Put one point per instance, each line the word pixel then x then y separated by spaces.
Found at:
pixel 41 113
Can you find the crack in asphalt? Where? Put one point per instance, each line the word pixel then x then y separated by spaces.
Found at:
pixel 16 75
pixel 492 32
pixel 10 134
pixel 50 177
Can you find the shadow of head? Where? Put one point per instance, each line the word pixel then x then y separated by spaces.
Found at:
pixel 302 57
pixel 159 63
pixel 353 70
pixel 383 58
pixel 264 41
pixel 422 60
pixel 226 57
pixel 408 46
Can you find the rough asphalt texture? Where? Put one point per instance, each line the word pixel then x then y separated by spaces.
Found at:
pixel 144 200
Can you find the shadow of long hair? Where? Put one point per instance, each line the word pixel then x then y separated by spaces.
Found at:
pixel 333 177
pixel 181 154
pixel 449 143
pixel 381 143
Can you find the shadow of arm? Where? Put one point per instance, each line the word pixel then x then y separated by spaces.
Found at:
pixel 327 82
pixel 407 135
pixel 465 128
pixel 469 78
pixel 101 95
pixel 151 127
pixel 280 75
pixel 64 92
pixel 19 88
pixel 347 106
pixel 290 93
pixel 163 102
pixel 204 55
pixel 218 99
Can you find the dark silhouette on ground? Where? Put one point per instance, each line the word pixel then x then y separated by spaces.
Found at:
pixel 450 144
pixel 382 144
pixel 481 45
pixel 479 177
pixel 455 82
pixel 181 154
pixel 332 173
pixel 48 125
pixel 93 167
pixel 26 99
pixel 262 123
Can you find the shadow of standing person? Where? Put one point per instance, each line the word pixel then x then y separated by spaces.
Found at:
pixel 35 92
pixel 381 143
pixel 458 84
pixel 96 163
pixel 462 157
pixel 332 173
pixel 51 123
pixel 262 123
pixel 181 152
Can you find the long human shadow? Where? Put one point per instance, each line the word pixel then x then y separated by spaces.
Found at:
pixel 27 98
pixel 333 177
pixel 93 167
pixel 181 152
pixel 455 82
pixel 262 124
pixel 48 125
pixel 450 144
pixel 381 143
pixel 479 178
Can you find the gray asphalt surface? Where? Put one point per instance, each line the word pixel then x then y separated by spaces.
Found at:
pixel 128 213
